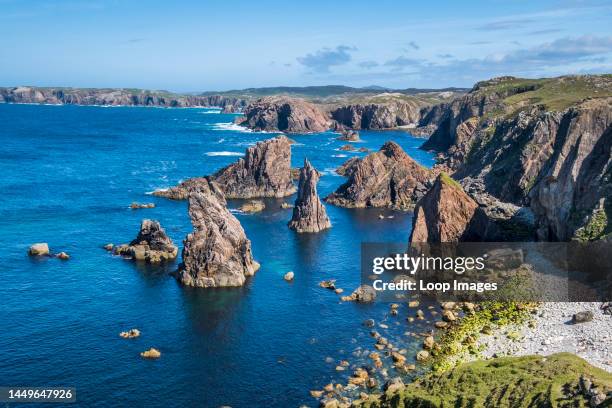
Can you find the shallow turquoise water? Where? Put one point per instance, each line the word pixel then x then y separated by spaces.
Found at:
pixel 69 174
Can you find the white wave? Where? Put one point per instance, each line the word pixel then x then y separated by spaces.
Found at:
pixel 210 112
pixel 230 126
pixel 339 155
pixel 221 140
pixel 157 190
pixel 224 154
pixel 330 172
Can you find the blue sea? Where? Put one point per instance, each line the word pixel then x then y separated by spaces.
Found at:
pixel 69 174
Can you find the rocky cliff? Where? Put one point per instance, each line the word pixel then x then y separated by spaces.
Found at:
pixel 544 145
pixel 279 113
pixel 309 214
pixel 217 253
pixel 114 97
pixel 387 178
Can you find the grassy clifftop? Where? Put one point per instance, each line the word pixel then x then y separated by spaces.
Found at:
pixel 559 380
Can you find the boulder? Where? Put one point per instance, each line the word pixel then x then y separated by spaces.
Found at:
pixel 387 178
pixel 217 253
pixel 152 245
pixel 289 276
pixel 582 317
pixel 40 249
pixel 349 135
pixel 280 113
pixel 151 353
pixel 309 214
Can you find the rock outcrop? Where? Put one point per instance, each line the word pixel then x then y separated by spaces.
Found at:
pixel 387 178
pixel 444 214
pixel 152 245
pixel 217 253
pixel 114 97
pixel 39 249
pixel 348 167
pixel 264 171
pixel 309 214
pixel 279 113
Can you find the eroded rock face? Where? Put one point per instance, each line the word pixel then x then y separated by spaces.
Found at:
pixel 387 178
pixel 377 115
pixel 265 171
pixel 309 214
pixel 279 113
pixel 180 191
pixel 217 253
pixel 444 214
pixel 348 167
pixel 152 245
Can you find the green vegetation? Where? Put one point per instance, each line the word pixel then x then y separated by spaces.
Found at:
pixel 531 381
pixel 596 228
pixel 448 180
pixel 554 94
pixel 459 342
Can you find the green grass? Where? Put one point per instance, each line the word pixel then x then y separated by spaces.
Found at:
pixel 517 382
pixel 448 180
pixel 596 228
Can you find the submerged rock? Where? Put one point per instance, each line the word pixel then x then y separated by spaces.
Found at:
pixel 387 178
pixel 138 206
pixel 130 334
pixel 40 249
pixel 217 253
pixel 289 276
pixel 152 245
pixel 349 135
pixel 280 113
pixel 309 214
pixel 63 256
pixel 265 171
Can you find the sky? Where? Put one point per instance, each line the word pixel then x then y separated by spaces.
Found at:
pixel 191 46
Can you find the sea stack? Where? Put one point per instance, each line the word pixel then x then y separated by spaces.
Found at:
pixel 265 171
pixel 387 178
pixel 152 245
pixel 444 214
pixel 309 214
pixel 217 253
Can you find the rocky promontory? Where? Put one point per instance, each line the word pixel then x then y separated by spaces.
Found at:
pixel 309 214
pixel 217 253
pixel 377 115
pixel 280 113
pixel 152 245
pixel 387 178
